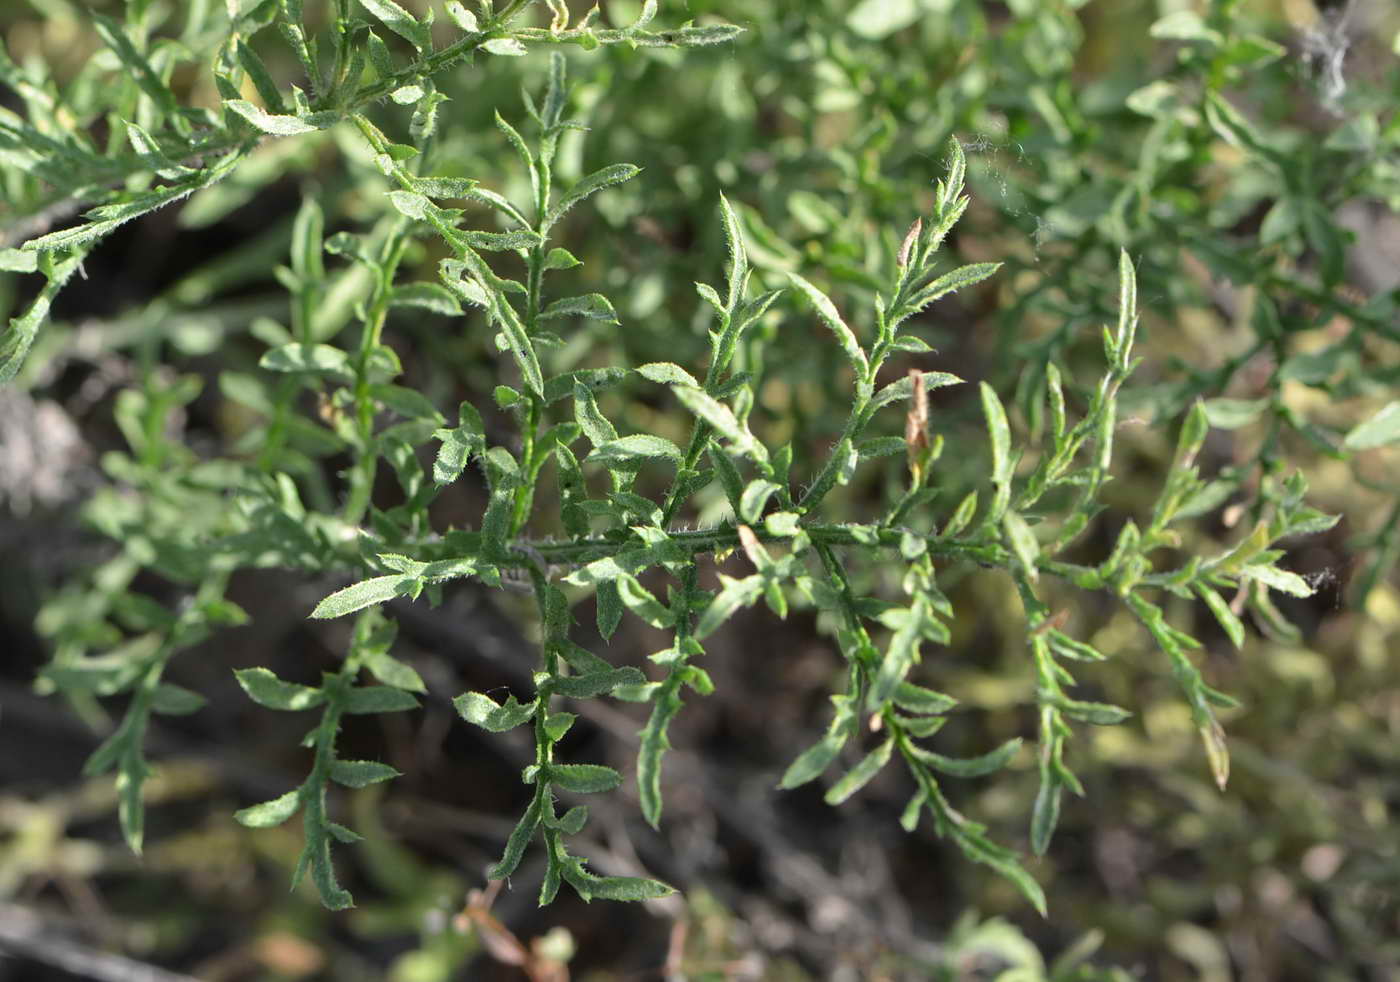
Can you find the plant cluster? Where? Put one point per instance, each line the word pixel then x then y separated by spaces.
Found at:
pixel 575 503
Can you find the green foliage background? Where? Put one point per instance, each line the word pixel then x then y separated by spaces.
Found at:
pixel 1253 186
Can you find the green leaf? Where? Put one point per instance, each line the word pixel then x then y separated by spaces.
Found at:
pixel 641 602
pixel 268 690
pixel 592 684
pixel 361 773
pixel 462 17
pixel 317 359
pixel 281 125
pixel 901 656
pixel 1231 414
pixel 482 710
pixel 947 283
pixel 917 699
pixel 175 700
pixel 720 418
pixel 593 306
pixel 1093 713
pixel 624 888
pixel 458 445
pixel 593 183
pixel 1021 538
pixel 654 744
pixel 733 595
pixel 1231 624
pixel 114 36
pixel 1045 814
pixel 903 388
pixel 860 775
pixel 628 451
pixel 508 47
pixel 1000 434
pixel 261 78
pixel 812 762
pixel 428 296
pixel 366 593
pixel 1185 25
pixel 270 813
pixel 994 760
pixel 401 22
pixel 1280 580
pixel 378 699
pixel 584 778
pixel 666 373
pixel 519 838
pixel 738 257
pixel 826 310
pixel 1381 429
pixel 521 238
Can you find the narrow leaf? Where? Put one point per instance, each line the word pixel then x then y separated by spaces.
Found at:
pixel 268 690
pixel 860 775
pixel 361 773
pixel 826 310
pixel 358 596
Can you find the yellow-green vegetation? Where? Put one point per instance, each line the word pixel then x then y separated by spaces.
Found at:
pixel 507 435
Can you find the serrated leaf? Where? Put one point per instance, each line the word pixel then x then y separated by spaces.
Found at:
pixel 401 22
pixel 948 283
pixel 482 710
pixel 361 773
pixel 593 183
pixel 666 373
pixel 584 778
pixel 631 450
pixel 593 306
pixel 592 684
pixel 624 888
pixel 280 125
pixel 270 813
pixel 826 311
pixel 367 593
pixel 738 257
pixel 721 419
pixel 458 445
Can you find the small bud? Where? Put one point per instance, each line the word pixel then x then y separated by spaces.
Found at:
pixel 916 426
pixel 1054 622
pixel 910 238
pixel 877 722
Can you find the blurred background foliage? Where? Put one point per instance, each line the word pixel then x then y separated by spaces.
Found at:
pixel 1247 155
